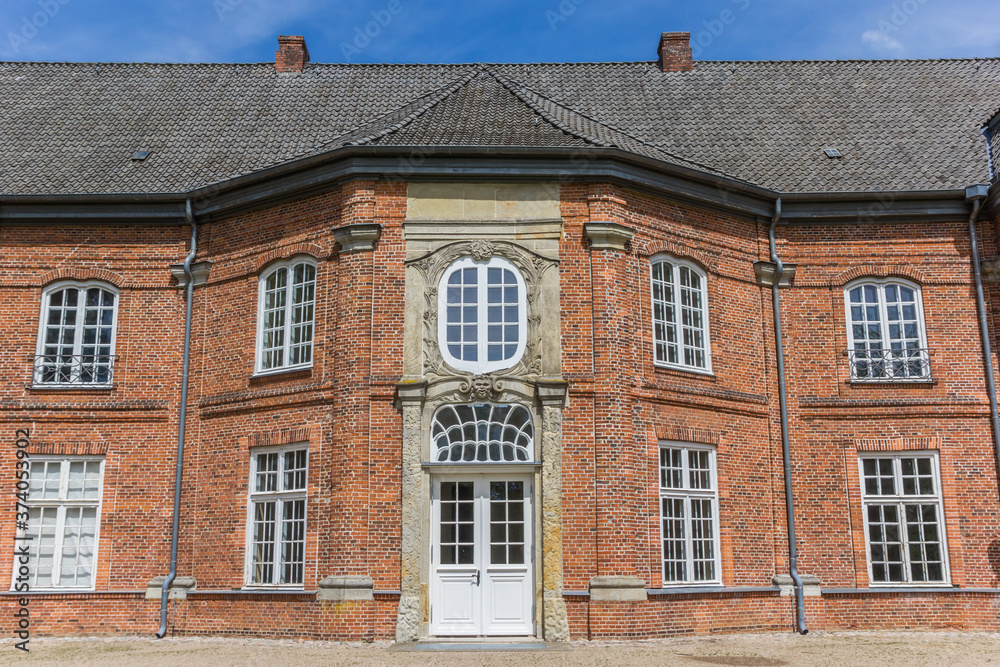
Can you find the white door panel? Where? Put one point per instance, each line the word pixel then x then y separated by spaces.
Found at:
pixel 481 574
pixel 458 603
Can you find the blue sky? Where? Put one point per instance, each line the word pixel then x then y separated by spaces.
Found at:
pixel 513 31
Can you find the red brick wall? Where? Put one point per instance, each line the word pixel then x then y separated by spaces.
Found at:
pixel 620 407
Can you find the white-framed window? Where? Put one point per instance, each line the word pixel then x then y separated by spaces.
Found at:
pixel 63 522
pixel 885 331
pixel 904 522
pixel 276 517
pixel 482 315
pixel 285 316
pixel 689 514
pixel 76 335
pixel 680 315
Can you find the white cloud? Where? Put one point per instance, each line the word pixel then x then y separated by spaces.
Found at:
pixel 881 41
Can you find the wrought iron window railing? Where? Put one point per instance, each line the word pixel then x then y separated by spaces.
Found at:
pixel 890 365
pixel 60 370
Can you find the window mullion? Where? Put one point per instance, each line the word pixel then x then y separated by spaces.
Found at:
pixel 275 555
pixel 883 311
pixel 58 546
pixel 688 542
pixel 904 539
pixel 678 303
pixel 481 325
pixel 279 484
pixel 287 333
pixel 76 363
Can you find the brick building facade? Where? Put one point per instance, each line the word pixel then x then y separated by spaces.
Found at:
pixel 490 350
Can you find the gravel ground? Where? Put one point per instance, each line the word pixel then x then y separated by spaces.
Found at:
pixel 761 650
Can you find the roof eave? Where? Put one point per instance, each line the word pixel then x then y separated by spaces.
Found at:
pixel 319 173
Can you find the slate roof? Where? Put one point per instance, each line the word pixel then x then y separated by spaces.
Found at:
pixel 900 125
pixel 993 133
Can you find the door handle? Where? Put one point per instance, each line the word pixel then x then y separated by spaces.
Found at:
pixel 477 577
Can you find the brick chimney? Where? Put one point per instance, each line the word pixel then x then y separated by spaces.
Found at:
pixel 675 52
pixel 292 53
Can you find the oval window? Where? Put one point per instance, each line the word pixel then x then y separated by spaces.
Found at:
pixel 482 315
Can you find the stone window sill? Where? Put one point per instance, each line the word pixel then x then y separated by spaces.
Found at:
pixel 724 590
pixel 60 388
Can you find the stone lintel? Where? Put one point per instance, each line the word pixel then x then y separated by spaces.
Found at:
pixel 200 271
pixel 810 584
pixel 411 391
pixel 350 587
pixel 448 230
pixel 764 271
pixel 608 235
pixel 357 238
pixel 990 269
pixel 552 392
pixel 179 588
pixel 617 589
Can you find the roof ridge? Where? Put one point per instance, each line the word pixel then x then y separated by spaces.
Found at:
pixel 443 93
pixel 429 103
pixel 596 121
pixel 503 81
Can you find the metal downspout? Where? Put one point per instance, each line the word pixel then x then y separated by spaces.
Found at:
pixel 165 588
pixel 793 555
pixel 984 330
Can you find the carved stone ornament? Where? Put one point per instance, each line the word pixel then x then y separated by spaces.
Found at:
pixel 481 387
pixel 433 265
pixel 482 250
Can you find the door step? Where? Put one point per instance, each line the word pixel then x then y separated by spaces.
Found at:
pixel 477 644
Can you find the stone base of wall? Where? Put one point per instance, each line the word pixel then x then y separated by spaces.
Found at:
pixel 698 614
pixel 303 616
pixel 221 614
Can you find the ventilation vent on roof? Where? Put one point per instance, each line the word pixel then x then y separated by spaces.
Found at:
pixel 139 156
pixel 832 152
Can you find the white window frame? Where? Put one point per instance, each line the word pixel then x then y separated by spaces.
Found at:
pixel 284 265
pixel 900 501
pixel 279 497
pixel 61 504
pixel 82 287
pixel 881 284
pixel 482 365
pixel 677 264
pixel 687 494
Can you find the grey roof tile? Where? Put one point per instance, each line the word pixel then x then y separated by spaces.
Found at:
pixel 73 127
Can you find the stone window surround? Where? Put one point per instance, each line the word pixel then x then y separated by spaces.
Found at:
pixel 533 382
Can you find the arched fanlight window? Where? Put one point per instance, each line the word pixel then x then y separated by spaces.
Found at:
pixel 482 433
pixel 482 315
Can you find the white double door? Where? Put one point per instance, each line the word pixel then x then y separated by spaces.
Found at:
pixel 481 555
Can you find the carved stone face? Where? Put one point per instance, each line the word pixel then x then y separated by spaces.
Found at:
pixel 482 387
